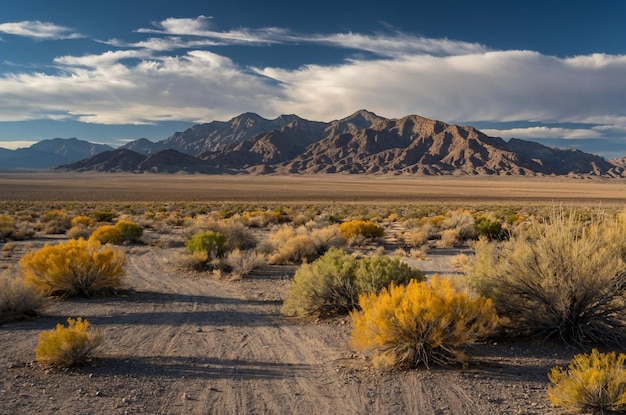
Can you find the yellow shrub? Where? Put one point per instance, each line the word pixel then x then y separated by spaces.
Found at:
pixel 356 228
pixel 260 218
pixel 107 234
pixel 82 220
pixel 7 225
pixel 67 346
pixel 419 323
pixel 594 382
pixel 74 268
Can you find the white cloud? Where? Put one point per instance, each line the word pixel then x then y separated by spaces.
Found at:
pixel 38 30
pixel 543 132
pixel 438 78
pixel 198 86
pixel 490 86
pixel 14 145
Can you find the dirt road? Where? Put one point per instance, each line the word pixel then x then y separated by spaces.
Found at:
pixel 189 344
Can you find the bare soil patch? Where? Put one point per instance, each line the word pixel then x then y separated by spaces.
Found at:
pixel 185 343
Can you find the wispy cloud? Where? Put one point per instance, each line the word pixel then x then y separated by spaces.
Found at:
pixel 39 30
pixel 544 132
pixel 383 44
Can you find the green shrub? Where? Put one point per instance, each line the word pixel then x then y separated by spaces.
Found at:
pixel 378 272
pixel 67 346
pixel 565 278
pixel 419 323
pixel 103 216
pixel 594 382
pixel 213 243
pixel 18 300
pixel 489 228
pixel 332 284
pixel 359 228
pixel 74 268
pixel 131 231
pixel 324 287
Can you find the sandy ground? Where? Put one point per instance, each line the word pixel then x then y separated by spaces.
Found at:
pixel 61 186
pixel 181 343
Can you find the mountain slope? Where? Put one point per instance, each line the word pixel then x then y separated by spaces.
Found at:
pixel 50 153
pixel 362 143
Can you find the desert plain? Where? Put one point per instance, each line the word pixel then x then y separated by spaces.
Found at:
pixel 181 342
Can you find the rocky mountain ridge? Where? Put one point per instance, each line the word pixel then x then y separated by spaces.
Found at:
pixel 363 143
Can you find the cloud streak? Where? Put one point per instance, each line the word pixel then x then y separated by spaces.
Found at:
pixel 36 29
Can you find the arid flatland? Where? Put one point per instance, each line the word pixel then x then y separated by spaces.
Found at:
pixel 56 186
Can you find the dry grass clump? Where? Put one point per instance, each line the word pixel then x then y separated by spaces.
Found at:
pixel 56 221
pixel 405 326
pixel 7 224
pixel 76 268
pixel 67 346
pixel 18 300
pixel 563 278
pixel 592 383
pixel 241 263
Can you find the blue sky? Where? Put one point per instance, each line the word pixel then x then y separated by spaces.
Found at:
pixel 113 71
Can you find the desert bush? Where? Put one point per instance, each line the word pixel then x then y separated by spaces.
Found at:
pixel 213 243
pixel 79 231
pixel 74 268
pixel 298 249
pixel 56 221
pixel 489 228
pixel 324 287
pixel 107 234
pixel 241 263
pixel 332 284
pixel 462 221
pixel 131 231
pixel 359 228
pixel 564 278
pixel 261 218
pixel 18 300
pixel 326 238
pixel 449 238
pixel 238 235
pixel 419 323
pixel 85 221
pixel 7 225
pixel 415 238
pixel 378 272
pixel 22 230
pixel 103 215
pixel 592 383
pixel 67 346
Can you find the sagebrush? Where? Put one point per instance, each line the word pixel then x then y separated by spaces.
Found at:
pixel 332 284
pixel 563 278
pixel 18 300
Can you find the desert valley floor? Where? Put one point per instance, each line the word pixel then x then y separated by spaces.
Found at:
pixel 179 342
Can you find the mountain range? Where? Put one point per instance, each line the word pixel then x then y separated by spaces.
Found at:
pixel 363 143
